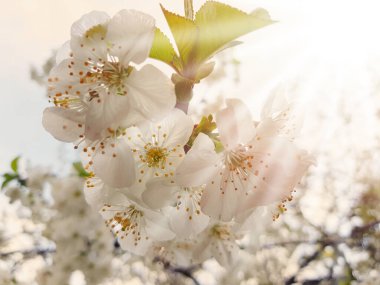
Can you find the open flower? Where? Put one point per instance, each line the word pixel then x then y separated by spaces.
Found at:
pixel 218 241
pixel 257 166
pixel 182 205
pixel 135 226
pixel 158 147
pixel 97 88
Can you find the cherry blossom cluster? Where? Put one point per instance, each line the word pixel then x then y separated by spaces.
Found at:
pixel 158 190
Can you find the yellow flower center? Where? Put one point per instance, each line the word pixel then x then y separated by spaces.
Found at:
pixel 156 157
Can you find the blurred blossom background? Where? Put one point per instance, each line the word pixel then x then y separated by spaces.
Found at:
pixel 323 55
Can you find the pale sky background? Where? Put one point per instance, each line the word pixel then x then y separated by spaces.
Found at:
pixel 319 51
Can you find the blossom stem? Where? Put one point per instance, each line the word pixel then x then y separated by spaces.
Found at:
pixel 184 94
pixel 189 10
pixel 184 106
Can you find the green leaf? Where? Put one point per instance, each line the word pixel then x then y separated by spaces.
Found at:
pixel 185 34
pixel 14 164
pixel 8 177
pixel 163 50
pixel 80 170
pixel 220 24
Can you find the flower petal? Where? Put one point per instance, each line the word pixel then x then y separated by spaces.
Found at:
pixel 279 166
pixel 159 193
pixel 200 163
pixel 88 21
pixel 151 92
pixel 235 124
pixel 65 125
pixel 175 129
pixel 115 165
pixel 96 192
pixel 186 219
pixel 63 52
pixel 88 34
pixel 131 33
pixel 107 112
pixel 221 200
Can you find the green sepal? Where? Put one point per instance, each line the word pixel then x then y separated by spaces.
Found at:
pixel 80 170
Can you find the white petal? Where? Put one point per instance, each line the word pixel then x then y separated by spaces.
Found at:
pixel 175 129
pixel 63 52
pixel 128 243
pixel 115 164
pixel 96 193
pixel 157 226
pixel 64 83
pixel 225 252
pixel 235 124
pixel 151 92
pixel 220 200
pixel 109 111
pixel 186 219
pixel 88 34
pixel 200 163
pixel 65 125
pixel 88 21
pixel 131 32
pixel 159 193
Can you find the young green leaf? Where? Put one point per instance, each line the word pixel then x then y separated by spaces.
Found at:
pixel 163 50
pixel 14 164
pixel 185 34
pixel 220 24
pixel 8 177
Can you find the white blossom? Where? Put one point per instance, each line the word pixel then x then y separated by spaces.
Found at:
pixel 257 166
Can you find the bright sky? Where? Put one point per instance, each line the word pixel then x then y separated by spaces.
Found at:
pixel 317 48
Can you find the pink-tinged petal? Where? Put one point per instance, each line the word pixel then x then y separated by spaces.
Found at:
pixel 151 92
pixel 105 114
pixel 281 113
pixel 131 33
pixel 221 200
pixel 200 164
pixel 159 193
pixel 115 165
pixel 65 125
pixel 278 166
pixel 234 124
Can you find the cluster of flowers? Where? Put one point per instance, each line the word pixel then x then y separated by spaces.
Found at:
pixel 158 191
pixel 41 199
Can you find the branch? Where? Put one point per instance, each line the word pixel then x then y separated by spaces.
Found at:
pixel 186 272
pixel 36 251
